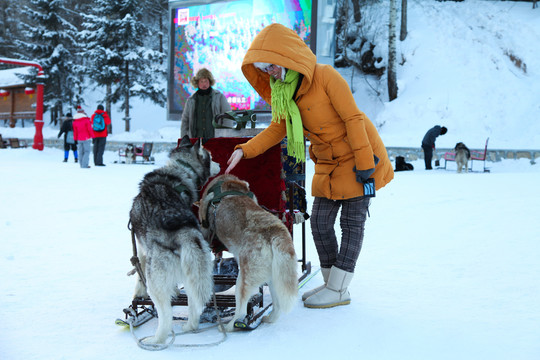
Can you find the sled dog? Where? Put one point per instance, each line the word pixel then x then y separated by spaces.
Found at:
pixel 462 156
pixel 172 248
pixel 130 154
pixel 260 242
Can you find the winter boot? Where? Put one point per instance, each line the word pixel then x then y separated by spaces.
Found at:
pixel 76 160
pixel 335 293
pixel 325 272
pixel 65 160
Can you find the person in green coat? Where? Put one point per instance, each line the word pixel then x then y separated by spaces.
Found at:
pixel 201 107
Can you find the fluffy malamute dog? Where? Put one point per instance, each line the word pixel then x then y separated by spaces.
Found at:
pixel 260 242
pixel 130 154
pixel 462 157
pixel 168 234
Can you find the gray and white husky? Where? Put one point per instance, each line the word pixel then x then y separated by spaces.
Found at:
pixel 260 242
pixel 463 155
pixel 173 250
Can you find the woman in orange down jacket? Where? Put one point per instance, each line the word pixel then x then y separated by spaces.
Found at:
pixel 351 162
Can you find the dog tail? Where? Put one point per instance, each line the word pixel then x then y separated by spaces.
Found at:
pixel 284 271
pixel 197 269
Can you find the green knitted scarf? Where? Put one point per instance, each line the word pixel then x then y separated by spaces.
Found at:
pixel 284 107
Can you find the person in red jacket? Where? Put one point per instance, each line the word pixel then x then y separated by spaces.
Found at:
pixel 100 122
pixel 82 133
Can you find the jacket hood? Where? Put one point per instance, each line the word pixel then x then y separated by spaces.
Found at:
pixel 276 44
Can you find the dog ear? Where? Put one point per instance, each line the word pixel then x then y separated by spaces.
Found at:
pixel 184 142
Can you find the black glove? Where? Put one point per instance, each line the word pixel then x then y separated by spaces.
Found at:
pixel 363 175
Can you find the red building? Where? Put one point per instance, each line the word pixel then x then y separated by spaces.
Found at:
pixel 17 100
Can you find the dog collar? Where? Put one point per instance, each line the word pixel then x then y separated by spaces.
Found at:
pixel 181 188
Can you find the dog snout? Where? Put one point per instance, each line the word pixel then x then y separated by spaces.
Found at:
pixel 214 168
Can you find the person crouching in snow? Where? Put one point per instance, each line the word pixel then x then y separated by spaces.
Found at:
pixel 351 162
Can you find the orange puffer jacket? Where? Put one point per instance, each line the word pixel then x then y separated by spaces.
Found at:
pixel 341 136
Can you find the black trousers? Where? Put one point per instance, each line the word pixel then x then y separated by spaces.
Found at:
pixel 428 155
pixel 99 149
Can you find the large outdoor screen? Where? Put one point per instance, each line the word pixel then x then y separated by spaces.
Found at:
pixel 216 35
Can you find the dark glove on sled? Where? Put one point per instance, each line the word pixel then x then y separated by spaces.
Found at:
pixel 363 175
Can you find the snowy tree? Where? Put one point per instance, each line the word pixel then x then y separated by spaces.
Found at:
pixel 116 56
pixel 392 77
pixel 156 18
pixel 49 40
pixel 9 18
pixel 403 32
pixel 356 36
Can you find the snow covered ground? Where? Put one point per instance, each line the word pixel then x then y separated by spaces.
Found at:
pixel 449 267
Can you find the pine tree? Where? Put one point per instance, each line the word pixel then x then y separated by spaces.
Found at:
pixel 50 43
pixel 156 17
pixel 8 28
pixel 392 77
pixel 116 57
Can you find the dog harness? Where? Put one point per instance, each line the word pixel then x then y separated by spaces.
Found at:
pixel 218 195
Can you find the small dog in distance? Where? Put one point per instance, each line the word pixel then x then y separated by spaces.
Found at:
pixel 130 154
pixel 462 156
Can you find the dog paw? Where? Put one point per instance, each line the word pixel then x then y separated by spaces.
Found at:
pixel 270 318
pixel 230 326
pixel 153 340
pixel 141 294
pixel 187 327
pixel 140 291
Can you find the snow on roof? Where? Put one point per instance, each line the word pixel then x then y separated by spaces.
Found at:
pixel 9 77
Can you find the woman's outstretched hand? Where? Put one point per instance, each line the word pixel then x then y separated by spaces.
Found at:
pixel 235 158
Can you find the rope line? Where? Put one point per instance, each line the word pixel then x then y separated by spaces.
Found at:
pixel 159 347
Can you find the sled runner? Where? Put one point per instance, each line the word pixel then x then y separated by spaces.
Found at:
pixel 278 183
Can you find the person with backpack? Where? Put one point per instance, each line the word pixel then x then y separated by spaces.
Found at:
pixel 100 121
pixel 69 140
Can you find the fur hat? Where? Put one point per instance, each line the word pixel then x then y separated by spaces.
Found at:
pixel 261 65
pixel 203 73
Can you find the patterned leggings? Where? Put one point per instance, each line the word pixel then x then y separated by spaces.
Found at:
pixel 352 220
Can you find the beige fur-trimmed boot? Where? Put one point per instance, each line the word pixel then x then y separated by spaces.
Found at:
pixel 325 272
pixel 335 293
